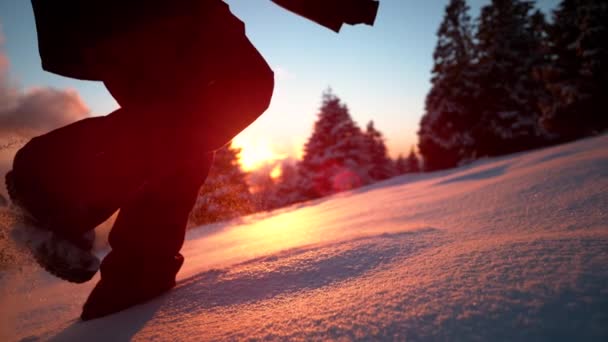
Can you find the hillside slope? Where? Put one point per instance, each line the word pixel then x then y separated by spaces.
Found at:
pixel 511 248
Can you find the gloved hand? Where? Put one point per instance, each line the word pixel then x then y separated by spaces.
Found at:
pixel 333 13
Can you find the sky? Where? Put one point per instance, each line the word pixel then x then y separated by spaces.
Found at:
pixel 382 72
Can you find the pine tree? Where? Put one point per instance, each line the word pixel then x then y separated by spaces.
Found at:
pixel 444 135
pixel 539 61
pixel 291 187
pixel 508 49
pixel 225 194
pixel 412 162
pixel 333 160
pixel 400 165
pixel 577 77
pixel 380 167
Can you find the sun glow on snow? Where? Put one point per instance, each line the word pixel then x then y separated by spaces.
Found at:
pixel 256 153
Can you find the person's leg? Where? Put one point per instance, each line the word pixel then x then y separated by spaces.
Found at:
pixel 55 176
pixel 68 181
pixel 222 86
pixel 73 178
pixel 146 239
pixel 150 229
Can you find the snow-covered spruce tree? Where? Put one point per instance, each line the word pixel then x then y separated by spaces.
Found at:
pixel 509 47
pixel 334 155
pixel 412 163
pixel 400 165
pixel 540 59
pixel 577 77
pixel 444 136
pixel 225 194
pixel 381 166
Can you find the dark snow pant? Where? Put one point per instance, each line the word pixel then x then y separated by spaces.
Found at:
pixel 148 158
pixel 75 177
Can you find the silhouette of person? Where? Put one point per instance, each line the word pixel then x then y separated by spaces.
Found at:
pixel 187 80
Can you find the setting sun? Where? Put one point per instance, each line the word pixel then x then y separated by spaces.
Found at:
pixel 276 172
pixel 255 153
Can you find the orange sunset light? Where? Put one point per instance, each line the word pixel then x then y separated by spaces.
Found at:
pixel 256 152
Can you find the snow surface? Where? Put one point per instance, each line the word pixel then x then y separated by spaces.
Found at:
pixel 511 248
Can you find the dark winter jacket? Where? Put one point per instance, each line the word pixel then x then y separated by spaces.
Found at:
pixel 74 35
pixel 71 33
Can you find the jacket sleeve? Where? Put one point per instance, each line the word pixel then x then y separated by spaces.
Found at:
pixel 333 13
pixel 68 29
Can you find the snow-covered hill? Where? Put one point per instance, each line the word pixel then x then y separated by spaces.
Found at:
pixel 513 248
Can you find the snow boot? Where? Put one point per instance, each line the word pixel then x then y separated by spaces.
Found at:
pixel 66 257
pixel 127 281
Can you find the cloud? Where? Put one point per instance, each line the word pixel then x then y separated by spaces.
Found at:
pixel 24 114
pixel 38 111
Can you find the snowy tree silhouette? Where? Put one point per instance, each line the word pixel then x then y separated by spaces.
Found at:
pixel 334 155
pixel 381 166
pixel 577 75
pixel 445 129
pixel 508 49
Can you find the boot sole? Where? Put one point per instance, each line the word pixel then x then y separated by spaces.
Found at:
pixel 53 253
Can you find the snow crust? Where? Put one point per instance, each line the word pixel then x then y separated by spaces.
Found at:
pixel 510 248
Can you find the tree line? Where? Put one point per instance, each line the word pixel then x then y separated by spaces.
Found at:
pixel 338 156
pixel 514 81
